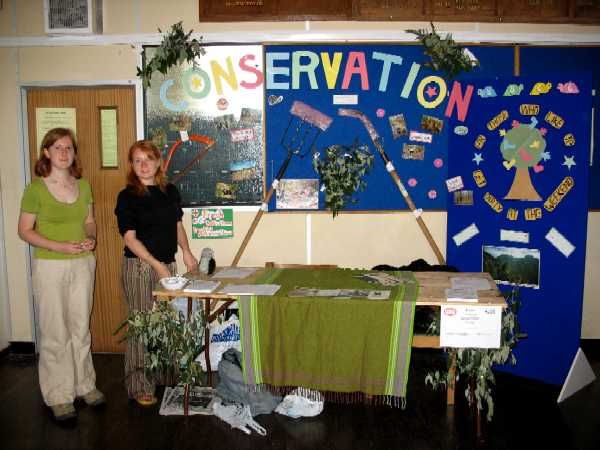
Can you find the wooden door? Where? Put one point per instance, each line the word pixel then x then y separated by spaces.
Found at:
pixel 109 308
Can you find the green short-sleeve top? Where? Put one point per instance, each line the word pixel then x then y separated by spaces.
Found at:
pixel 57 220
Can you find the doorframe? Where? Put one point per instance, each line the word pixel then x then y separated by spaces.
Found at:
pixel 23 124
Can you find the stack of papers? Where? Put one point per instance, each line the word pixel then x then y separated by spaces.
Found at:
pixel 235 272
pixel 477 284
pixel 201 286
pixel 200 401
pixel 250 289
pixel 371 294
pixel 462 295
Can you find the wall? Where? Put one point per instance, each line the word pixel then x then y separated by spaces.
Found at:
pixel 4 311
pixel 28 57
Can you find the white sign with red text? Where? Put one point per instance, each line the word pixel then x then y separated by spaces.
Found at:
pixel 470 326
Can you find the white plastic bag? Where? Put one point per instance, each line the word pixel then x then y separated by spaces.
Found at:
pixel 298 404
pixel 238 416
pixel 223 336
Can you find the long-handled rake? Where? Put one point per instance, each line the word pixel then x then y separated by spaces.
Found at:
pixel 392 171
pixel 305 125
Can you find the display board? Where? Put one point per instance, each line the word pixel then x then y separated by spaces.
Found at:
pixel 216 105
pixel 543 60
pixel 408 105
pixel 522 211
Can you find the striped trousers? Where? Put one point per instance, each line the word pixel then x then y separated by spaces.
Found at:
pixel 138 280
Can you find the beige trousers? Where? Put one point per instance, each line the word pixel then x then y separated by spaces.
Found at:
pixel 63 291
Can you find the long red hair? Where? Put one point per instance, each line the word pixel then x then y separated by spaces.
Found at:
pixel 43 166
pixel 150 150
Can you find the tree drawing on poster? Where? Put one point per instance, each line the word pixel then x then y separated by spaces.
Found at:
pixel 522 148
pixel 207 120
pixel 517 206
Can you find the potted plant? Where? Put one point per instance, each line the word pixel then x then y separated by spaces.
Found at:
pixel 474 365
pixel 171 341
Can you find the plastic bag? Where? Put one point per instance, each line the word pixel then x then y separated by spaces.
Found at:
pixel 223 336
pixel 302 402
pixel 238 416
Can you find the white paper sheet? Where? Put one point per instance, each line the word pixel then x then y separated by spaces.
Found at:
pixel 345 99
pixel 201 286
pixel 454 183
pixel 470 326
pixel 466 234
pixel 462 295
pixel 561 243
pixel 474 283
pixel 514 236
pixel 235 272
pixel 250 289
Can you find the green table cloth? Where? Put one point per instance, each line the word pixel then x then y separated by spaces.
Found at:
pixel 343 347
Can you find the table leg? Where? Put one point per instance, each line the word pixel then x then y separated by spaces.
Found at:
pixel 452 379
pixel 186 400
pixel 207 341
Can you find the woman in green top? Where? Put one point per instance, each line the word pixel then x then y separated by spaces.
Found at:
pixel 57 218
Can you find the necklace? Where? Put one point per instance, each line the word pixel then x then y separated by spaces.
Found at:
pixel 68 184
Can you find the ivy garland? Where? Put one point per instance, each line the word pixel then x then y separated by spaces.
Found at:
pixel 341 172
pixel 175 48
pixel 171 341
pixel 445 55
pixel 475 364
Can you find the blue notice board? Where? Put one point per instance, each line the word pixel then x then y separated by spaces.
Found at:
pixel 544 60
pixel 384 82
pixel 522 211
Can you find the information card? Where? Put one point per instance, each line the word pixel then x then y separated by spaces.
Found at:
pixel 470 326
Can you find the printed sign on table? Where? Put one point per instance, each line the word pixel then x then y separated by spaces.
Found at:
pixel 470 326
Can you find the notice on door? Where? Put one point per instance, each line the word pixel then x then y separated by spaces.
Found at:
pixel 470 326
pixel 48 118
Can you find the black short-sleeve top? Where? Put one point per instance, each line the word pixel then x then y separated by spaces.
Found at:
pixel 153 216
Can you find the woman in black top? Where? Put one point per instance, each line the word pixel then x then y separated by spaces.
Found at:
pixel 149 217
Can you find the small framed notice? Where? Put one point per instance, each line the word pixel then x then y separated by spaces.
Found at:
pixel 212 223
pixel 469 326
pixel 48 118
pixel 108 137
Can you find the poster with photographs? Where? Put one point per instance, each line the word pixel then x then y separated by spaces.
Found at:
pixel 207 121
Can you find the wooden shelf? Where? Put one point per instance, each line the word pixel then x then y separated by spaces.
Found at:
pixel 531 11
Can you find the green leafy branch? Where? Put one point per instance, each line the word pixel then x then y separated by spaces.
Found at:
pixel 475 364
pixel 341 172
pixel 445 55
pixel 171 341
pixel 175 48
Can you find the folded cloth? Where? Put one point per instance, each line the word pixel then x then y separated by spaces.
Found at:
pixel 342 347
pixel 233 389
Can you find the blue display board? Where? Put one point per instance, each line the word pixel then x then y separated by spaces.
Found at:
pixel 522 212
pixel 382 81
pixel 543 60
